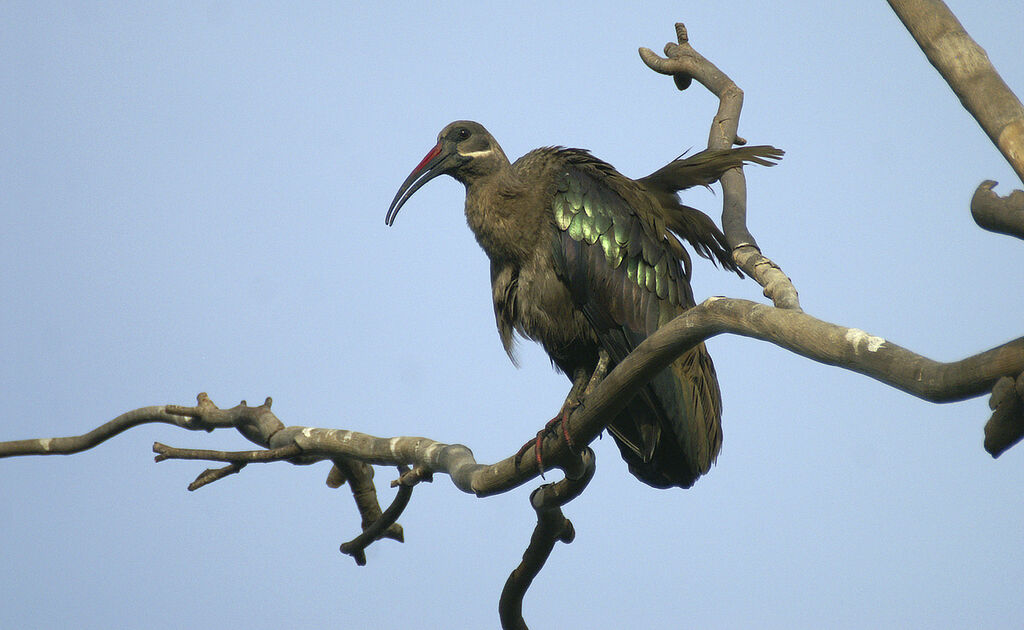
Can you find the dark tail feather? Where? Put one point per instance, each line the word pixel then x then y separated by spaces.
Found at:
pixel 702 169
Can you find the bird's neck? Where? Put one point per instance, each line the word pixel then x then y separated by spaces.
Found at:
pixel 496 210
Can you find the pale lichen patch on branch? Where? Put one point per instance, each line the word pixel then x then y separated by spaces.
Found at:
pixel 856 337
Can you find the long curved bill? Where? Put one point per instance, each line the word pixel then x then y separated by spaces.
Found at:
pixel 425 171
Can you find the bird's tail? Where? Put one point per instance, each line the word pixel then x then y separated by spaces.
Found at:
pixel 672 433
pixel 702 169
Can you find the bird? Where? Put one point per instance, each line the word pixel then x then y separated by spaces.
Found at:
pixel 588 263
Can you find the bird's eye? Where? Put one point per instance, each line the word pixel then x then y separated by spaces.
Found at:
pixel 463 133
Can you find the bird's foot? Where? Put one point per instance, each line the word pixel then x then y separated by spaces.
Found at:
pixel 562 420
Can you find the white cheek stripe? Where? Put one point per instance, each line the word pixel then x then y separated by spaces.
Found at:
pixel 476 153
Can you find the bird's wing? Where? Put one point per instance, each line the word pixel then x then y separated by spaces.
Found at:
pixel 628 283
pixel 626 279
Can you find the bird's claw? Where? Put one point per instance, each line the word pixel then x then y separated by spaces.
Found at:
pixel 536 450
pixel 536 444
pixel 563 420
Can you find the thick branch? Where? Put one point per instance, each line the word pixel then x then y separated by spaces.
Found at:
pixel 966 68
pixel 684 63
pixel 848 348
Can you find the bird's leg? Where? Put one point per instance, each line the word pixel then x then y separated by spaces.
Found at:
pixel 583 383
pixel 600 371
pixel 579 392
pixel 579 383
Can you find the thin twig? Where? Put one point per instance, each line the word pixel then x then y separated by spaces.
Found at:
pixel 413 477
pixel 165 452
pixel 102 433
pixel 210 475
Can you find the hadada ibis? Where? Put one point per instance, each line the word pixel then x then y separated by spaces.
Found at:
pixel 589 262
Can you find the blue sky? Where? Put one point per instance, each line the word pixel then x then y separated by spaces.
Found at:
pixel 193 200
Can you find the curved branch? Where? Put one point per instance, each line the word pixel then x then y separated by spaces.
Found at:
pixel 384 523
pixel 848 348
pixel 684 63
pixel 102 433
pixel 359 476
pixel 552 527
pixel 256 423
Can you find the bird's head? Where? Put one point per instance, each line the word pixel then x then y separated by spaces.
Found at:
pixel 464 150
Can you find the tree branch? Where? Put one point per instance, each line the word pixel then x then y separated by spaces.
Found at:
pixel 966 68
pixel 102 433
pixel 798 332
pixel 165 452
pixel 1006 427
pixel 360 480
pixel 684 63
pixel 381 527
pixel 1004 215
pixel 552 527
pixel 210 475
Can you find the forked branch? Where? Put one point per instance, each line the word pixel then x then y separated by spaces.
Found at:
pixel 684 63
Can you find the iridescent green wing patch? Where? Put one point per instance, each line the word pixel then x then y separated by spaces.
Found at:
pixel 591 214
